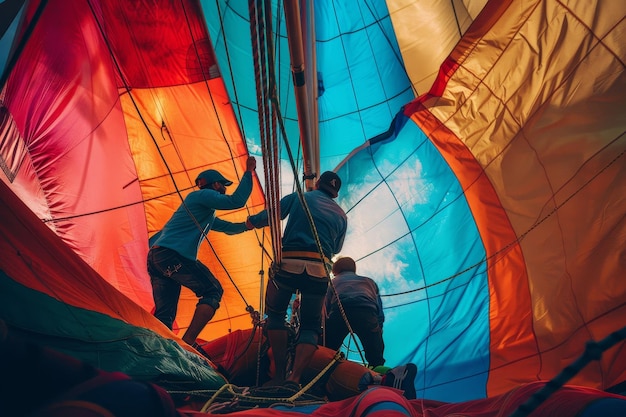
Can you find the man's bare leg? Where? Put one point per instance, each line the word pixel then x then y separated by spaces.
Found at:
pixel 203 314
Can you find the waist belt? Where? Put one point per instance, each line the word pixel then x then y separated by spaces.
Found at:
pixel 309 256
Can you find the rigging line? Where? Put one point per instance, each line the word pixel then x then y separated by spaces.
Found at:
pixel 130 95
pixel 271 181
pixel 456 18
pixel 261 313
pixel 262 274
pixel 258 57
pixel 308 386
pixel 256 64
pixel 275 160
pixel 299 191
pixel 257 38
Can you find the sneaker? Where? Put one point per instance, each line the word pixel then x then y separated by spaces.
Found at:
pixel 402 378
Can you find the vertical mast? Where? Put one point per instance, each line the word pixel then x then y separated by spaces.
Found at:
pixel 304 85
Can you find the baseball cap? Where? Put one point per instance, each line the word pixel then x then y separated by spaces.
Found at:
pixel 330 182
pixel 211 176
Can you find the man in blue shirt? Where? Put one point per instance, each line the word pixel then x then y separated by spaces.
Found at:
pixel 361 302
pixel 303 269
pixel 173 256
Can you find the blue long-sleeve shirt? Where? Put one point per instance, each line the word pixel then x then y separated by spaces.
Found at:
pixel 330 221
pixel 184 234
pixel 357 291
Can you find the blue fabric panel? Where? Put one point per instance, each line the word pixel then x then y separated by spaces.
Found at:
pixel 425 252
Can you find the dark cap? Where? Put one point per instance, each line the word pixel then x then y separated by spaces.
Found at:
pixel 344 264
pixel 211 176
pixel 329 182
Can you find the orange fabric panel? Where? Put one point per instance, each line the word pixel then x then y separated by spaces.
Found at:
pixel 201 133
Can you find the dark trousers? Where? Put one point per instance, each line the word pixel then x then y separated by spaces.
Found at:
pixel 364 323
pixel 312 291
pixel 168 271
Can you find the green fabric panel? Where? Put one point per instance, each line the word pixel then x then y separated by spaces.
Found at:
pixel 102 341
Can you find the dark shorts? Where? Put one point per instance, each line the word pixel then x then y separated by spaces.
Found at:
pixel 168 272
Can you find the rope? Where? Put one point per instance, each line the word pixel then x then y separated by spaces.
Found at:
pixel 239 399
pixel 317 377
pixel 262 61
pixel 245 398
pixel 274 156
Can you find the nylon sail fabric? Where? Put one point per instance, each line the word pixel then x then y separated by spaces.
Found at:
pixel 481 155
pixel 97 115
pixel 486 200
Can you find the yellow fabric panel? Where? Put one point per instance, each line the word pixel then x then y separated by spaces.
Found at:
pixel 417 23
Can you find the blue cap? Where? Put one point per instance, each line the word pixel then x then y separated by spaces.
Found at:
pixel 329 182
pixel 211 176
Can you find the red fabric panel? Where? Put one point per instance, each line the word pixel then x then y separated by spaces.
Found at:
pixel 148 27
pixel 34 256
